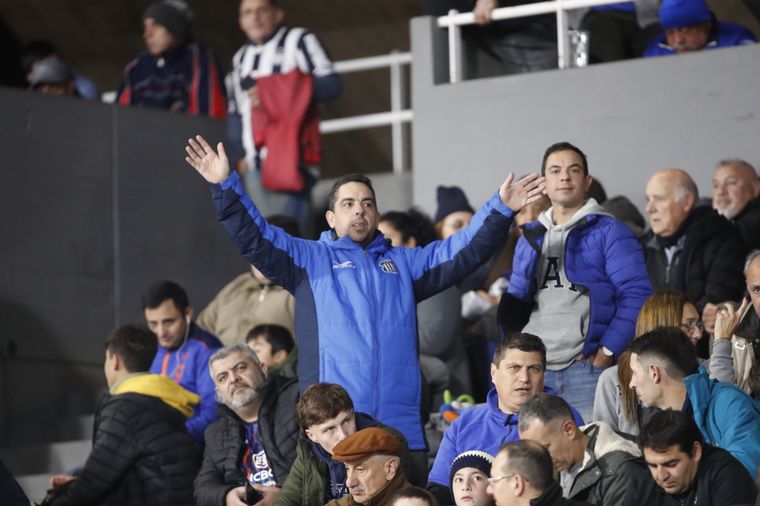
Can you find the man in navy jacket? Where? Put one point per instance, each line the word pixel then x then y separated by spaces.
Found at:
pixel 356 295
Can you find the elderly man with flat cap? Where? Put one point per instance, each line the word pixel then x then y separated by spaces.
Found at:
pixel 373 471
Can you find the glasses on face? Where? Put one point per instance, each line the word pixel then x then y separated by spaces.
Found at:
pixel 690 325
pixel 494 479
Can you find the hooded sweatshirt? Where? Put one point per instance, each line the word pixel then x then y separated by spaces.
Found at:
pixel 561 313
pixel 158 386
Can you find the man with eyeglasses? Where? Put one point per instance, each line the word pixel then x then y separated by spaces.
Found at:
pixel 522 475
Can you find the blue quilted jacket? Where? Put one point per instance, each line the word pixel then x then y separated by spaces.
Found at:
pixel 356 307
pixel 603 258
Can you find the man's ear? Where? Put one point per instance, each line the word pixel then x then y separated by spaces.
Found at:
pixel 330 218
pixel 279 15
pixel 280 356
pixel 310 435
pixel 655 373
pixel 189 312
pixel 494 368
pixel 519 486
pixel 264 370
pixel 588 182
pixel 118 365
pixel 569 429
pixel 391 468
pixel 696 451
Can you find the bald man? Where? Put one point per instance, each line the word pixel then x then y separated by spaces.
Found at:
pixel 691 248
pixel 736 189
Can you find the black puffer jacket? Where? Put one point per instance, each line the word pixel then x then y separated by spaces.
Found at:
pixel 748 223
pixel 141 455
pixel 709 264
pixel 225 442
pixel 616 475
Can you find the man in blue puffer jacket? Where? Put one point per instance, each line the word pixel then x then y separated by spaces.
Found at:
pixel 581 275
pixel 356 295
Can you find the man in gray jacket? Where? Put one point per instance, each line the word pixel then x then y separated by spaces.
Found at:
pixel 596 465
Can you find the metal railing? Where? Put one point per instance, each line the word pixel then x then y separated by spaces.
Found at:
pixel 560 7
pixel 396 117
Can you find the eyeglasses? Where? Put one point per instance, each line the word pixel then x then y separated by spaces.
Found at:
pixel 692 324
pixel 494 479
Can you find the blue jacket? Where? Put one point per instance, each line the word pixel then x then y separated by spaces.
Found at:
pixel 603 258
pixel 484 428
pixel 356 307
pixel 723 35
pixel 188 366
pixel 727 417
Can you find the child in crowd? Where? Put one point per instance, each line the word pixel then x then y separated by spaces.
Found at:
pixel 469 478
pixel 273 345
pixel 413 496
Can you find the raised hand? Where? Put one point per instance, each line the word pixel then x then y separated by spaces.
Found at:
pixel 213 166
pixel 516 195
pixel 728 318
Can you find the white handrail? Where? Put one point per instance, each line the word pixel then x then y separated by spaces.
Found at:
pixel 454 20
pixel 395 118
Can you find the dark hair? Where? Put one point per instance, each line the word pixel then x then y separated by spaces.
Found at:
pixel 531 461
pixel 564 146
pixel 414 493
pixel 348 178
pixel 596 191
pixel 545 408
pixel 413 223
pixel 519 341
pixel 135 345
pixel 163 290
pixel 277 336
pixel 34 51
pixel 288 224
pixel 668 428
pixel 321 402
pixel 670 347
pixel 753 381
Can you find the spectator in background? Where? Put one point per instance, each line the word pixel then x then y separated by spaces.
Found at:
pixel 250 299
pixel 620 31
pixel 689 471
pixel 183 348
pixel 741 327
pixel 174 73
pixel 690 248
pixel 690 26
pixel 373 468
pixel 253 444
pixel 273 49
pixel 574 244
pixel 439 325
pixel 52 77
pixel 413 496
pixel 615 403
pixel 595 464
pixel 517 373
pixel 736 196
pixel 469 478
pixel 665 376
pixel 41 49
pixel 522 475
pixel 274 346
pixel 325 413
pixel 140 446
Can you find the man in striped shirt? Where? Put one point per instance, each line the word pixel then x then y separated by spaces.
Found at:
pixel 272 48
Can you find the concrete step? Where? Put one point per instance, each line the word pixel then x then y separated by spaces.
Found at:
pixel 46 458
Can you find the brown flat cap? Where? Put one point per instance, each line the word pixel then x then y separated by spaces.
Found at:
pixel 365 443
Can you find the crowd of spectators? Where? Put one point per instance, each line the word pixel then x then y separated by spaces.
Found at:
pixel 623 365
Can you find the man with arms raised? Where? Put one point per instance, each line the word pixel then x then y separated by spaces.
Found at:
pixel 356 295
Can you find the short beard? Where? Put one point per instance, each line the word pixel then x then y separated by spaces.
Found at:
pixel 728 212
pixel 241 401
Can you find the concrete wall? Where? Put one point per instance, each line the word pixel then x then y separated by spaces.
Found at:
pixel 96 202
pixel 631 118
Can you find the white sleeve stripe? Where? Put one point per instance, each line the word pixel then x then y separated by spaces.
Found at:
pixel 322 64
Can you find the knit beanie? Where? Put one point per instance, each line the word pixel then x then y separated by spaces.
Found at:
pixel 475 458
pixel 450 200
pixel 174 15
pixel 683 13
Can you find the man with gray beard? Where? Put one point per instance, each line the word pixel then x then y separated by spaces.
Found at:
pixel 250 449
